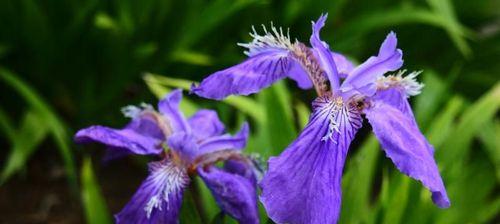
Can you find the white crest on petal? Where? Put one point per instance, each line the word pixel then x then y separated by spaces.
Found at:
pixel 132 111
pixel 343 118
pixel 270 39
pixel 171 179
pixel 409 82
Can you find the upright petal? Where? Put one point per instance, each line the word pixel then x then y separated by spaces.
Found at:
pixel 344 66
pixel 252 75
pixel 131 139
pixel 222 142
pixel 303 184
pixel 184 144
pixel 405 145
pixel 323 53
pixel 234 193
pixel 363 77
pixel 205 124
pixel 169 107
pixel 159 197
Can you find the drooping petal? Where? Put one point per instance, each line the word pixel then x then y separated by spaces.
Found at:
pixel 241 168
pixel 407 147
pixel 127 139
pixel 396 97
pixel 235 194
pixel 159 197
pixel 184 144
pixel 252 75
pixel 323 53
pixel 344 66
pixel 223 142
pixel 169 107
pixel 299 75
pixel 363 77
pixel 205 124
pixel 303 184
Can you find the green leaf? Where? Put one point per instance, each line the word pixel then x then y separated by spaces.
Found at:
pixel 357 183
pixel 395 207
pixel 213 14
pixel 303 114
pixel 6 126
pixel 31 133
pixel 456 146
pixel 279 122
pixel 55 125
pixel 428 102
pixel 444 122
pixel 490 137
pixel 94 204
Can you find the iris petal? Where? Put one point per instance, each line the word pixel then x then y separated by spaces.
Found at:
pixel 363 77
pixel 159 197
pixel 344 66
pixel 252 75
pixel 323 53
pixel 222 142
pixel 303 184
pixel 169 107
pixel 205 124
pixel 234 193
pixel 141 136
pixel 407 147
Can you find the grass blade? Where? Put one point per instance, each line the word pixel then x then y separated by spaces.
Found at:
pixel 94 204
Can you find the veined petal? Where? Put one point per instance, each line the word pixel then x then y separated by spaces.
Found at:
pixel 396 97
pixel 184 144
pixel 271 58
pixel 363 77
pixel 226 141
pixel 323 53
pixel 407 147
pixel 159 197
pixel 252 75
pixel 169 107
pixel 205 124
pixel 234 193
pixel 299 75
pixel 344 66
pixel 303 184
pixel 128 139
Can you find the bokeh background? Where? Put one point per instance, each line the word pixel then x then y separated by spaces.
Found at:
pixel 65 65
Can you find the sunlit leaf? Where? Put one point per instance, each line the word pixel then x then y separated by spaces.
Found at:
pixel 42 109
pixel 357 182
pixel 94 204
pixel 31 133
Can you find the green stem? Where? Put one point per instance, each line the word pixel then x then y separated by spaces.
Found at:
pixel 198 200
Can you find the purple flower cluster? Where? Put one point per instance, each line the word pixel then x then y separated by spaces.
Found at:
pixel 303 184
pixel 184 147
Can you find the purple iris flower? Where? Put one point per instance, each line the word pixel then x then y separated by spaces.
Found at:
pixel 185 147
pixel 303 184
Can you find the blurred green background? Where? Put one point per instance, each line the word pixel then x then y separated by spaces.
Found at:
pixel 65 65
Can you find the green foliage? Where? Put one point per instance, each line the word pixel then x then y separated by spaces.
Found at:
pixel 38 121
pixel 85 59
pixel 93 202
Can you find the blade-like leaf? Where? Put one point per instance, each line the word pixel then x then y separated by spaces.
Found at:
pixel 55 125
pixel 94 204
pixel 31 133
pixel 357 183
